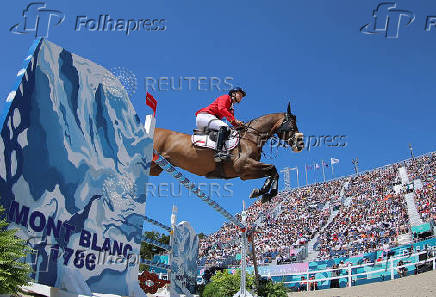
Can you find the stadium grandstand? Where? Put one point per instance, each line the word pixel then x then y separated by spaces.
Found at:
pixel 367 216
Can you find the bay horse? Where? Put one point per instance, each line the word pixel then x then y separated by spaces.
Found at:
pixel 244 163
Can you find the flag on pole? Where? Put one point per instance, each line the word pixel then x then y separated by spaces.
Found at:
pixel 322 165
pixel 296 169
pixel 334 161
pixel 150 101
pixel 305 167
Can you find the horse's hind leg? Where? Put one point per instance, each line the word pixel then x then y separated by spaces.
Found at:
pixel 275 186
pixel 274 190
pixel 265 188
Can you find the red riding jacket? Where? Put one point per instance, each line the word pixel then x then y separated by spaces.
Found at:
pixel 221 107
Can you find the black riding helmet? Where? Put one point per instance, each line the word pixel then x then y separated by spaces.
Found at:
pixel 237 89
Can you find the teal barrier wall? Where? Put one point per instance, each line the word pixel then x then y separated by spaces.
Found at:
pixel 426 227
pixel 375 257
pixel 287 270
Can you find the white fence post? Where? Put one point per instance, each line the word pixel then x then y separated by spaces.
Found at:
pixel 307 280
pixel 349 275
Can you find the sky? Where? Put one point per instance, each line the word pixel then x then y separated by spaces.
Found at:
pixel 378 93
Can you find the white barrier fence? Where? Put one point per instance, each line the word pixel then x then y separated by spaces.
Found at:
pixel 388 266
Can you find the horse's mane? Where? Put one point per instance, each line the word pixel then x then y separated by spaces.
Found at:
pixel 251 125
pixel 263 116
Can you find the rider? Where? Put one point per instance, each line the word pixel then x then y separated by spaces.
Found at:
pixel 210 117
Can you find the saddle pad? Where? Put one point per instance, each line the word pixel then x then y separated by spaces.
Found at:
pixel 206 141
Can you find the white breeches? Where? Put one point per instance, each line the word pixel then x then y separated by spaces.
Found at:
pixel 205 120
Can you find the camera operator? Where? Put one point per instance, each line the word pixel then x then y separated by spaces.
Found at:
pixel 402 271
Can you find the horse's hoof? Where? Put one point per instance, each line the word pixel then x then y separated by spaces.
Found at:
pixel 273 193
pixel 254 193
pixel 266 198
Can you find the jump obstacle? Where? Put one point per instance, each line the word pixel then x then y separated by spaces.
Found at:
pixel 167 267
pixel 165 165
pixel 156 223
pixel 183 180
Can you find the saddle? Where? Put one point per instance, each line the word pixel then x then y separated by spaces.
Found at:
pixel 207 138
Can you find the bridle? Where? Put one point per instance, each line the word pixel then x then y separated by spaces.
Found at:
pixel 283 128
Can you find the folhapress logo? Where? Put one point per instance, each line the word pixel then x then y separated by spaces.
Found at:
pixel 105 23
pixel 38 19
pixel 387 19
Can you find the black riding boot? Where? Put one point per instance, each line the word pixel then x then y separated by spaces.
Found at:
pixel 221 139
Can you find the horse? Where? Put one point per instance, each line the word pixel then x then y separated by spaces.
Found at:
pixel 244 163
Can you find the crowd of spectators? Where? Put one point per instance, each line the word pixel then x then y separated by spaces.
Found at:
pixel 285 224
pixel 371 220
pixel 375 216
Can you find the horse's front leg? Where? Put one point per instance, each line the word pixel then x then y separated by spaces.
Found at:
pixel 252 169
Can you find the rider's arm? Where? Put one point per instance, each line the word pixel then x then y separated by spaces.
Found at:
pixel 223 107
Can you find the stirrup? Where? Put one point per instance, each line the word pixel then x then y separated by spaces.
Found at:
pixel 221 156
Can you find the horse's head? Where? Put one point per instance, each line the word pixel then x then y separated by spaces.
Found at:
pixel 288 131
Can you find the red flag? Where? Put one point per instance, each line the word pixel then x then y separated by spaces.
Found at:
pixel 150 101
pixel 155 156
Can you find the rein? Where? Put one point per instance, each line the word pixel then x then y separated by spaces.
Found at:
pixel 245 129
pixel 256 132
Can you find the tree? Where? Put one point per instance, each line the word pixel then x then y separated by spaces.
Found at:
pixel 224 284
pixel 149 250
pixel 13 272
pixel 268 288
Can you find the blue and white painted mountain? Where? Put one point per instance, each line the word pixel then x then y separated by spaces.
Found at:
pixel 74 160
pixel 184 256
